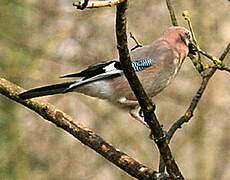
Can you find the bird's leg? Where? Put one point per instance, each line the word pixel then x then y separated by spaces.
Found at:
pixel 137 114
pixel 141 113
pixel 128 102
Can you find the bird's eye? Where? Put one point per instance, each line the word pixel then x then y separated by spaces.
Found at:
pixel 188 35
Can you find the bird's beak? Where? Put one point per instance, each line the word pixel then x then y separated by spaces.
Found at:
pixel 192 48
pixel 186 41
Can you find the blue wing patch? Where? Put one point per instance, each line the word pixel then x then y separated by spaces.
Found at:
pixel 142 64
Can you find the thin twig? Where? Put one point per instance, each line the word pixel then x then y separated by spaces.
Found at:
pixel 224 68
pixel 144 101
pixel 95 4
pixel 136 41
pixel 198 64
pixel 218 64
pixel 186 15
pixel 172 13
pixel 189 113
pixel 199 67
pixel 221 68
pixel 83 134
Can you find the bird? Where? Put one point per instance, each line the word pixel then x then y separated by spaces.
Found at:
pixel 156 65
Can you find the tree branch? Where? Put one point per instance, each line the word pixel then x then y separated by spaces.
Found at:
pixel 145 103
pixel 83 134
pixel 189 113
pixel 218 64
pixel 199 66
pixel 172 13
pixel 136 41
pixel 95 4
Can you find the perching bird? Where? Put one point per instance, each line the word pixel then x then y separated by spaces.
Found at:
pixel 155 64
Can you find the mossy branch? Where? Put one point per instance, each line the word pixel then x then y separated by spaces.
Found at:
pixel 195 100
pixel 83 134
pixel 200 68
pixel 217 63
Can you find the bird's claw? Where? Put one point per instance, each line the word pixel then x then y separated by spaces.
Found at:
pixel 141 113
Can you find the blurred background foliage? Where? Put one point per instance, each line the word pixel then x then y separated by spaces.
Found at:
pixel 40 40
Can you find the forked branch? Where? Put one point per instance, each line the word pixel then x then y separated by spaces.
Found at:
pixel 205 78
pixel 145 103
pixel 195 100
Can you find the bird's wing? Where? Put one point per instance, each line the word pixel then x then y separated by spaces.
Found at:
pixel 100 70
pixel 105 70
pixel 108 69
pixel 142 64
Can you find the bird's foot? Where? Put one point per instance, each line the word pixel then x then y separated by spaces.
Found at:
pixel 141 113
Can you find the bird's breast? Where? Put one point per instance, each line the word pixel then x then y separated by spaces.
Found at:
pixel 155 79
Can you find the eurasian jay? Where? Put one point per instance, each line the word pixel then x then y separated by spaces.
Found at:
pixel 155 64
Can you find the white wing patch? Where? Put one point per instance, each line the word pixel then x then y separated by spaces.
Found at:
pixel 94 78
pixel 110 67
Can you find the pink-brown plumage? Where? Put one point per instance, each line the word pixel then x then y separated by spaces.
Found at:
pixel 156 65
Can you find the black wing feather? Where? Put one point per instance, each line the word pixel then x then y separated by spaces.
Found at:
pixel 93 70
pixel 101 68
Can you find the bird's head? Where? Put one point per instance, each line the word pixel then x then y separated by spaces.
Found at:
pixel 180 38
pixel 178 34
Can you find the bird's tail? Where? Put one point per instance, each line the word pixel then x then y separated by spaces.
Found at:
pixel 46 90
